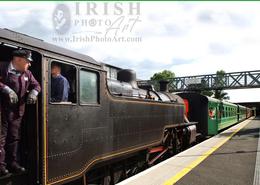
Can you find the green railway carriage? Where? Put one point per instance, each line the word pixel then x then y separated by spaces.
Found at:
pixel 212 114
pixel 227 115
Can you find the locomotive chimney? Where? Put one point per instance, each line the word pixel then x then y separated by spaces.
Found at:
pixel 164 85
pixel 127 75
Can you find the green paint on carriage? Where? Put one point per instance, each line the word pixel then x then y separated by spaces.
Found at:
pixel 221 115
pixel 213 118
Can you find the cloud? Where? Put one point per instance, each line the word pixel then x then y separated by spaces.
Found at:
pixel 175 30
pixel 224 17
pixel 33 28
pixel 181 61
pixel 206 17
pixel 219 49
pixel 239 20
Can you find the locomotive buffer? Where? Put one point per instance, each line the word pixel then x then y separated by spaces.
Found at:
pixel 229 158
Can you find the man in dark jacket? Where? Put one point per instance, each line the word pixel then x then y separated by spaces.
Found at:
pixel 59 84
pixel 17 87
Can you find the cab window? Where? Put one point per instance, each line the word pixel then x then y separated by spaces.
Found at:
pixel 63 83
pixel 89 91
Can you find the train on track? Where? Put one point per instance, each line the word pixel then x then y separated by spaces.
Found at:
pixel 110 128
pixel 212 114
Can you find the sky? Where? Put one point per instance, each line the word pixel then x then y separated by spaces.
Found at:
pixel 188 38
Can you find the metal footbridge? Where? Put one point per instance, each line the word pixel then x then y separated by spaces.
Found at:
pixel 234 80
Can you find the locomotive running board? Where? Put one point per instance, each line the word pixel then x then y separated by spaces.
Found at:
pixel 181 125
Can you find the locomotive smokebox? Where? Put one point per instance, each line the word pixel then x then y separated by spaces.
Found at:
pixel 164 85
pixel 127 75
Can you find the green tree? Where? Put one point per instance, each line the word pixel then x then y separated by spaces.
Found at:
pixel 221 95
pixel 220 78
pixel 219 83
pixel 207 93
pixel 164 75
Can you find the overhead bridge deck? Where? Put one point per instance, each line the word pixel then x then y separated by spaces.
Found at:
pixel 229 158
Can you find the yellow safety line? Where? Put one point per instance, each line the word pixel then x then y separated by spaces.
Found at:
pixel 201 158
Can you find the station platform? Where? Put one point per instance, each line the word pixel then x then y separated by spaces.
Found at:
pixel 229 158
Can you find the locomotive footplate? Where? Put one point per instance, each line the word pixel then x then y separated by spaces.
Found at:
pixel 183 124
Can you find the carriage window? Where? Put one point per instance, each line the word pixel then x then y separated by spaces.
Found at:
pixel 63 83
pixel 88 87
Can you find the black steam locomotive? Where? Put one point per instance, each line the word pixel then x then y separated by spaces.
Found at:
pixel 108 130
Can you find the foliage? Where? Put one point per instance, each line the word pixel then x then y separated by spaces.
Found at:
pixel 207 93
pixel 220 81
pixel 221 95
pixel 164 75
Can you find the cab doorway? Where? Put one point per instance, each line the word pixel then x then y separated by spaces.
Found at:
pixel 29 148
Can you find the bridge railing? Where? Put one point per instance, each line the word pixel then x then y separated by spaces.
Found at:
pixel 234 80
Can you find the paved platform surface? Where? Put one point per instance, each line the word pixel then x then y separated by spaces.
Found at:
pixel 226 159
pixel 232 164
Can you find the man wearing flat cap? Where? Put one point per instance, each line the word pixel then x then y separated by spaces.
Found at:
pixel 17 87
